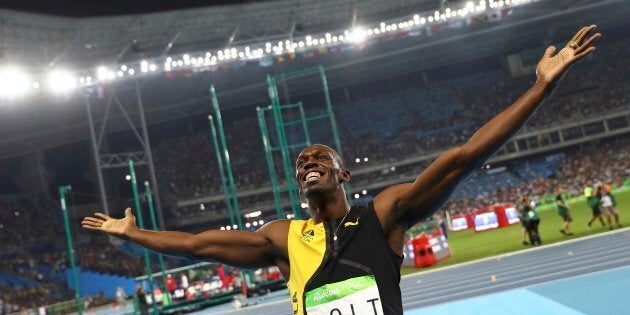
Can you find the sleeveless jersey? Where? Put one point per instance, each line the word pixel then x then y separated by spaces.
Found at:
pixel 356 273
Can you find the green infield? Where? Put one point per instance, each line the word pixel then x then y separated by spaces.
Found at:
pixel 468 245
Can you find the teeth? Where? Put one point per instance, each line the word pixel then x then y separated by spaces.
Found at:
pixel 312 176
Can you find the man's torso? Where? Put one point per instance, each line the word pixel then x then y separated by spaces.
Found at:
pixel 319 267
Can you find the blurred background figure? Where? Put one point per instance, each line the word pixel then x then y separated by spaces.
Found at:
pixel 141 297
pixel 121 297
pixel 171 285
pixel 593 196
pixel 608 207
pixel 564 212
pixel 530 220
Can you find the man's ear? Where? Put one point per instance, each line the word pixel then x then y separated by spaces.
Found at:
pixel 344 175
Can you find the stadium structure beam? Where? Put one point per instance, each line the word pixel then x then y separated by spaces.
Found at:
pixel 149 155
pixel 108 160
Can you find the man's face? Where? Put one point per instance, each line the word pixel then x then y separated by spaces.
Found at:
pixel 318 169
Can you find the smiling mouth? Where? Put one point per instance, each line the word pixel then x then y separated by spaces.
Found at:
pixel 312 177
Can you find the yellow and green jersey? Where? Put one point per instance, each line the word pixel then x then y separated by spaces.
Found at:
pixel 355 272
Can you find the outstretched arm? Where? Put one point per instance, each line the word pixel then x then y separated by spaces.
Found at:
pixel 412 202
pixel 237 248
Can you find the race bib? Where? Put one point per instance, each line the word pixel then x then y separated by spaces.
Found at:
pixel 355 296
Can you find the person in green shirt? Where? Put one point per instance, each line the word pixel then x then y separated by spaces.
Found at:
pixel 530 219
pixel 563 211
pixel 593 196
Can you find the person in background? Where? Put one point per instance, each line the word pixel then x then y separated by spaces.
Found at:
pixel 171 285
pixel 142 300
pixel 593 196
pixel 608 190
pixel 529 215
pixel 121 297
pixel 184 281
pixel 608 208
pixel 563 211
pixel 441 218
pixel 524 223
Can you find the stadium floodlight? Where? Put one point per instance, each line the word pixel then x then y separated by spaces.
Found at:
pixel 255 223
pixel 61 81
pixel 356 196
pixel 144 65
pixel 261 222
pixel 228 227
pixel 234 226
pixel 364 192
pixel 14 82
pixel 222 228
pixel 101 73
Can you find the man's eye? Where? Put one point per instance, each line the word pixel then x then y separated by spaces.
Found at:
pixel 322 157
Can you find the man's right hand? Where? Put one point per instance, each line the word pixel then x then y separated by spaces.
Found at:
pixel 104 223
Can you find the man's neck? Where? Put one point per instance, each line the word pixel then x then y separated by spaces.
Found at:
pixel 328 207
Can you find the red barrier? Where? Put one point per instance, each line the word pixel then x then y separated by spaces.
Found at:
pixel 423 251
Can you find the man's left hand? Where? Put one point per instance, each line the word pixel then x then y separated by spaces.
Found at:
pixel 551 67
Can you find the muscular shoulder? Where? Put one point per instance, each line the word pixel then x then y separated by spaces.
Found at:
pixel 276 233
pixel 388 204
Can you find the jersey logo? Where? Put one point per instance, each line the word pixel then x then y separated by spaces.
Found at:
pixel 308 235
pixel 347 224
pixel 295 300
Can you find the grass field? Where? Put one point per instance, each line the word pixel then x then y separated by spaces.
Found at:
pixel 468 245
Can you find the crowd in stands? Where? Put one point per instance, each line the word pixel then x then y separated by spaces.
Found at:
pixel 415 122
pixel 33 256
pixel 606 162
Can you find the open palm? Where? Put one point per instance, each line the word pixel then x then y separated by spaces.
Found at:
pixel 106 224
pixel 551 67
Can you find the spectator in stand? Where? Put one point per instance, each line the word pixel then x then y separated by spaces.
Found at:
pixel 184 281
pixel 171 285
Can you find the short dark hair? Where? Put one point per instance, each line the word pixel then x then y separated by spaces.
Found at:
pixel 335 155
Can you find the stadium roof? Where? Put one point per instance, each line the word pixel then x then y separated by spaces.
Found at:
pixel 38 40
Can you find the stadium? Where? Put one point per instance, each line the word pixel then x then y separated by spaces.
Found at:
pixel 304 157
